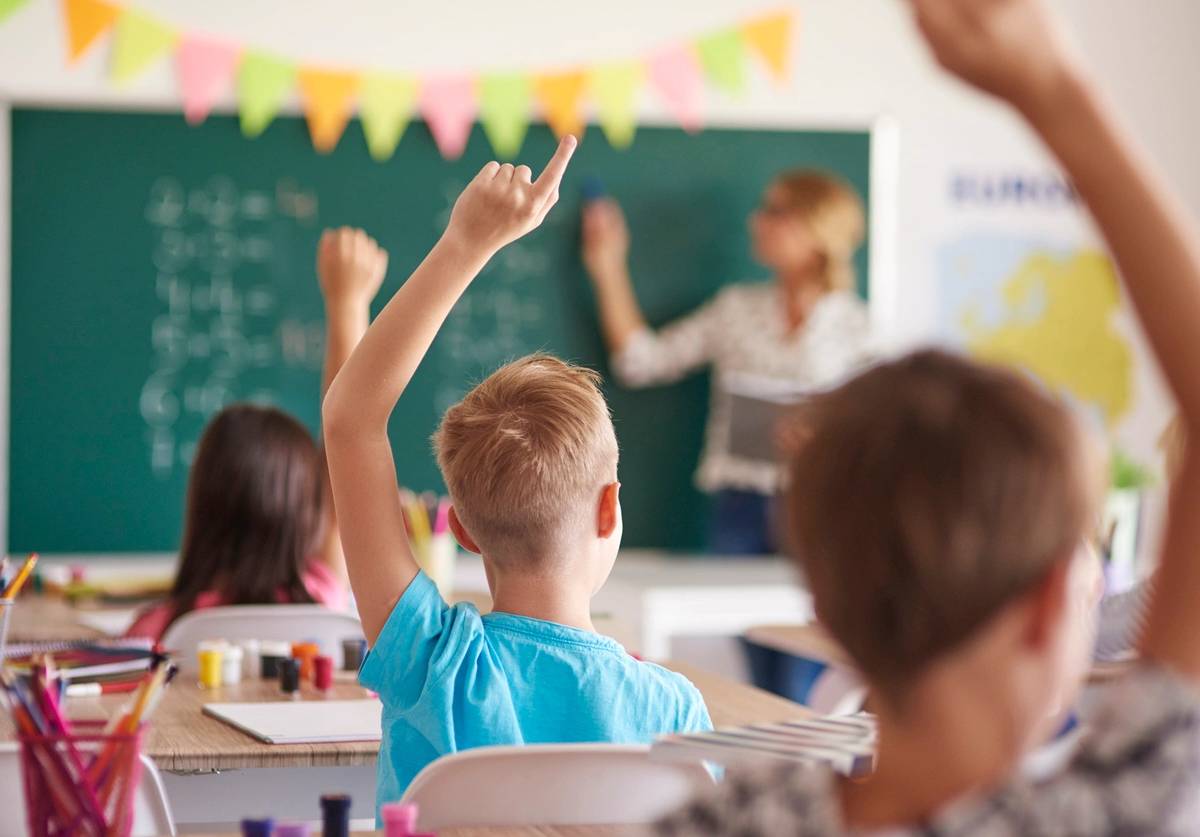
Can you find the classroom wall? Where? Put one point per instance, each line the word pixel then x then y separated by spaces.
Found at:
pixel 856 59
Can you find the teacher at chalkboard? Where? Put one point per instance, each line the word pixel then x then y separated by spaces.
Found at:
pixel 806 329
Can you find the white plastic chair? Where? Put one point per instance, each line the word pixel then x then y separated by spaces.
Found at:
pixel 837 691
pixel 551 784
pixel 286 622
pixel 152 812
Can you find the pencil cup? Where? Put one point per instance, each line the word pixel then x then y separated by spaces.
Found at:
pixel 84 783
pixel 6 606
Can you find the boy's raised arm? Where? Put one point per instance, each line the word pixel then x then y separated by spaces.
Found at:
pixel 500 205
pixel 1012 48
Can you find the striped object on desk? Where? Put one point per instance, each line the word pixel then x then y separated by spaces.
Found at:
pixel 844 742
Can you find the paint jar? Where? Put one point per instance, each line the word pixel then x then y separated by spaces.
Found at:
pixel 211 662
pixel 250 657
pixel 289 677
pixel 323 673
pixel 272 653
pixel 231 666
pixel 399 819
pixel 335 815
pixel 353 651
pixel 257 828
pixel 292 829
pixel 305 652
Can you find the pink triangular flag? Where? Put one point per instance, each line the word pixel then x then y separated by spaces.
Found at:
pixel 676 74
pixel 206 68
pixel 448 105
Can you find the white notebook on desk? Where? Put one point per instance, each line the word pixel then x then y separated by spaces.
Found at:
pixel 303 721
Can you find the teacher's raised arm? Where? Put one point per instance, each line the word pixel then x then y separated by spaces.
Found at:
pixel 803 330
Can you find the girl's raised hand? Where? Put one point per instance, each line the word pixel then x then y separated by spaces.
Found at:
pixel 350 266
pixel 503 202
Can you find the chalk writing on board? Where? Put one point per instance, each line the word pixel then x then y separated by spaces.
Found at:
pixel 498 319
pixel 217 333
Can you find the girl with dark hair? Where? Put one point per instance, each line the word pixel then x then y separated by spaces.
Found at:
pixel 259 525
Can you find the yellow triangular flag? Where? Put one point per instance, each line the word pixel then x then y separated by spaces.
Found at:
pixel 86 21
pixel 328 98
pixel 385 106
pixel 559 95
pixel 138 40
pixel 771 38
pixel 614 87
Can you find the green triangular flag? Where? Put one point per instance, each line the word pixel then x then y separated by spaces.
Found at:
pixel 504 111
pixel 723 56
pixel 8 7
pixel 137 41
pixel 385 104
pixel 614 88
pixel 263 83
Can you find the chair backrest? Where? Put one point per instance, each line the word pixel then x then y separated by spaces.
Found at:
pixel 287 622
pixel 152 813
pixel 837 691
pixel 551 784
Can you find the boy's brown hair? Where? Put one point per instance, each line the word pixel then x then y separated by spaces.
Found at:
pixel 526 452
pixel 931 491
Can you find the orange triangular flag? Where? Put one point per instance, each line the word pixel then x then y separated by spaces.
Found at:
pixel 328 99
pixel 771 37
pixel 86 21
pixel 559 96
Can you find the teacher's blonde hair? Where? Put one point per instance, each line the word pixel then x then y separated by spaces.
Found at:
pixel 832 211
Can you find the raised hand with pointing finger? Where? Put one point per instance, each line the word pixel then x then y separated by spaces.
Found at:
pixel 503 202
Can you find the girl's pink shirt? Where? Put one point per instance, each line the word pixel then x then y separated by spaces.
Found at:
pixel 319 580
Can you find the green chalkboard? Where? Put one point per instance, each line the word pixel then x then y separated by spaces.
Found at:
pixel 160 271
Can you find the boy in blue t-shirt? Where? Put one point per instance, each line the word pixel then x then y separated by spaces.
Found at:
pixel 530 460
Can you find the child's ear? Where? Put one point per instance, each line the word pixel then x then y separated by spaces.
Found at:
pixel 608 514
pixel 1048 605
pixel 460 534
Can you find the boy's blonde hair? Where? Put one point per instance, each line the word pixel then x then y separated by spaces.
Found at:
pixel 833 213
pixel 931 492
pixel 526 453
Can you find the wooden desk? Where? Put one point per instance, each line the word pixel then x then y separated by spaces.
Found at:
pixel 44 618
pixel 810 641
pixel 204 759
pixel 183 739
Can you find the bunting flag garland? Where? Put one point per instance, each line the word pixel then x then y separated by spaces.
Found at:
pixel 504 111
pixel 560 96
pixel 680 75
pixel 137 41
pixel 614 87
pixel 771 38
pixel 86 21
pixel 205 68
pixel 329 99
pixel 263 82
pixel 448 105
pixel 10 7
pixel 723 59
pixel 385 106
pixel 675 73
